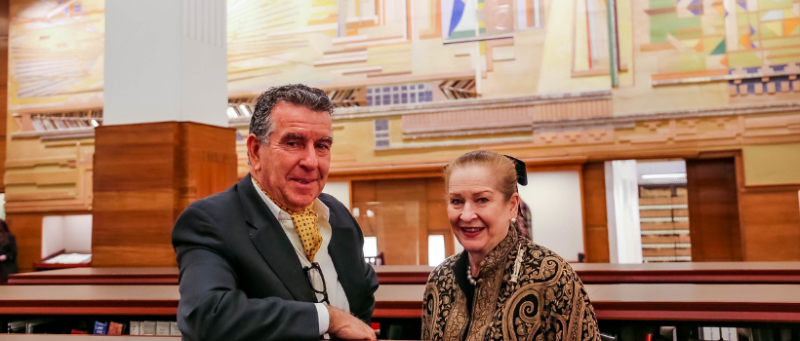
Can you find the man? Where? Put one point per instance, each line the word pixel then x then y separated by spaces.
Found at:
pixel 256 259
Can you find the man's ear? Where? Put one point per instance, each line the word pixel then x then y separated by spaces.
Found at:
pixel 253 146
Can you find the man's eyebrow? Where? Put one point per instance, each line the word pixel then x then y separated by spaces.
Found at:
pixel 326 139
pixel 293 136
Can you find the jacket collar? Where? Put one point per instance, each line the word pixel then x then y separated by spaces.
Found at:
pixel 272 243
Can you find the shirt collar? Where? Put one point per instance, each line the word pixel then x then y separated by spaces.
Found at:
pixel 322 210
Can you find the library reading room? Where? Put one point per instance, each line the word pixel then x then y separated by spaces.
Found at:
pixel 549 170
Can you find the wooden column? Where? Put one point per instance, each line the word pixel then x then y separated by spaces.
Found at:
pixel 4 22
pixel 595 216
pixel 145 175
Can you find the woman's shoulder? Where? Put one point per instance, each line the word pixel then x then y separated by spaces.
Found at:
pixel 445 268
pixel 540 256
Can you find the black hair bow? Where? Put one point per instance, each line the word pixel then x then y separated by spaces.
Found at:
pixel 522 170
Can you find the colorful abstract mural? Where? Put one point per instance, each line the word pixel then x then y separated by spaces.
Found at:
pixel 355 47
pixel 56 53
pixel 721 38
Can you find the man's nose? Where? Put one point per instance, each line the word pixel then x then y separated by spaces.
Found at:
pixel 309 159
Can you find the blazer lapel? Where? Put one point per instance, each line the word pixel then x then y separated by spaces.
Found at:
pixel 347 264
pixel 272 243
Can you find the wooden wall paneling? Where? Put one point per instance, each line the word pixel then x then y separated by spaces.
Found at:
pixel 595 216
pixel 713 210
pixel 770 220
pixel 27 228
pixel 401 215
pixel 4 22
pixel 437 214
pixel 364 193
pixel 144 177
pixel 207 153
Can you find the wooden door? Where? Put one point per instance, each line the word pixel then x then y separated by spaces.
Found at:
pixel 713 210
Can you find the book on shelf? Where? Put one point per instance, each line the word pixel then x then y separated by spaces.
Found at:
pixel 114 328
pixel 148 328
pixel 136 327
pixel 162 328
pixel 100 328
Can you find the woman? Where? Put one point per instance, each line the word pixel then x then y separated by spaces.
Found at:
pixel 8 253
pixel 503 286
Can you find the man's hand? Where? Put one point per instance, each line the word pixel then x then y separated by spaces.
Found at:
pixel 3 258
pixel 348 327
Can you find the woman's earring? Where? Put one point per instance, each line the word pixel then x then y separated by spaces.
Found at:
pixel 513 220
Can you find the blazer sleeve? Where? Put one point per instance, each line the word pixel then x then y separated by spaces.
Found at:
pixel 212 307
pixel 370 276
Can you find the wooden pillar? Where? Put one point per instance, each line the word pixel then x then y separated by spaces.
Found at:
pixel 595 216
pixel 4 22
pixel 145 175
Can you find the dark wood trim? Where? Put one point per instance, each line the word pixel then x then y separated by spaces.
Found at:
pixel 693 276
pixel 698 311
pixel 81 307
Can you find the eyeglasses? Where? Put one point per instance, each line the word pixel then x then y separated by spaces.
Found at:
pixel 310 270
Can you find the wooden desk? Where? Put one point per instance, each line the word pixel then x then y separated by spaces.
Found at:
pixel 89 300
pixel 88 276
pixel 699 272
pixel 594 273
pixel 645 302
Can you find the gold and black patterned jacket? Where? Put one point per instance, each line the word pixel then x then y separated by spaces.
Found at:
pixel 549 302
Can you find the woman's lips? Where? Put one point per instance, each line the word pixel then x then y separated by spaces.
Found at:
pixel 471 232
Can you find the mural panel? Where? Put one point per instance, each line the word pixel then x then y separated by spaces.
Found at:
pixel 719 38
pixel 56 53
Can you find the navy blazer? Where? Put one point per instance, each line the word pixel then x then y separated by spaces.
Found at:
pixel 240 278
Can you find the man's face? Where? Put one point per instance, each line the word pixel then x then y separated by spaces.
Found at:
pixel 293 167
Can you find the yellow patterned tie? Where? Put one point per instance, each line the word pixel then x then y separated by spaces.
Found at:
pixel 306 224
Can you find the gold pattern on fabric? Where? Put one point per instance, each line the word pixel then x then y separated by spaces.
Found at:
pixel 306 224
pixel 548 303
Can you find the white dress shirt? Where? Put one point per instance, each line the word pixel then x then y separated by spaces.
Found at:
pixel 335 290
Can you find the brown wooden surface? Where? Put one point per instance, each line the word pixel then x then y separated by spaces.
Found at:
pixel 770 224
pixel 27 228
pixel 144 177
pixel 713 210
pixel 667 302
pixel 406 212
pixel 4 22
pixel 595 216
pixel 590 273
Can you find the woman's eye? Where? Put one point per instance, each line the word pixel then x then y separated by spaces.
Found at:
pixel 455 201
pixel 483 200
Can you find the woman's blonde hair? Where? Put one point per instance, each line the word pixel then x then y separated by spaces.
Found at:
pixel 503 170
pixel 501 166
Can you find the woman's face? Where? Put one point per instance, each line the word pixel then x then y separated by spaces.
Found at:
pixel 478 212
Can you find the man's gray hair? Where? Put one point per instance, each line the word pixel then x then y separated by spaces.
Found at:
pixel 297 94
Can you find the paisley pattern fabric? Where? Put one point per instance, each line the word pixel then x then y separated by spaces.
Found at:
pixel 549 302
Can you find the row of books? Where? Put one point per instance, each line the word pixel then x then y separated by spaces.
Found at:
pixel 160 328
